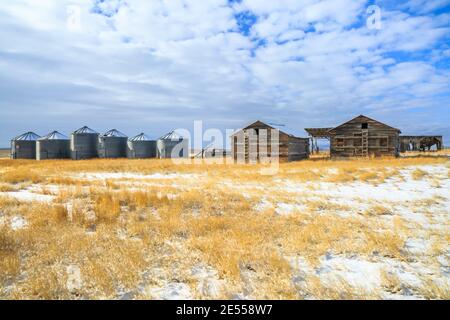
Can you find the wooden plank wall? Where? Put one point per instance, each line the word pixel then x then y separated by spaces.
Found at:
pixel 347 140
pixel 247 145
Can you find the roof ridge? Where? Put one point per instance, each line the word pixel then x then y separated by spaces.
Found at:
pixel 140 137
pixel 85 129
pixel 54 135
pixel 114 133
pixel 27 136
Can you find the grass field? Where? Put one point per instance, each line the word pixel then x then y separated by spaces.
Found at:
pixel 150 229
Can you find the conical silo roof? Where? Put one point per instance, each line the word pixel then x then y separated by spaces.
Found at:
pixel 172 135
pixel 114 133
pixel 141 137
pixel 85 129
pixel 27 136
pixel 55 135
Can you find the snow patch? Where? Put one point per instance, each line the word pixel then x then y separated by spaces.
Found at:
pixel 263 205
pixel 355 271
pixel 18 223
pixel 172 291
pixel 74 281
pixel 208 283
pixel 288 208
pixel 25 195
pixel 417 246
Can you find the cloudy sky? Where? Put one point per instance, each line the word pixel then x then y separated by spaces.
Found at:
pixel 154 65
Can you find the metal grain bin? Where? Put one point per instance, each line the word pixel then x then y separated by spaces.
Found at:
pixel 53 146
pixel 112 144
pixel 140 147
pixel 84 144
pixel 24 146
pixel 172 145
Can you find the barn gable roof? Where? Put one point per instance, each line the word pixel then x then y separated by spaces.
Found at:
pixel 363 117
pixel 260 124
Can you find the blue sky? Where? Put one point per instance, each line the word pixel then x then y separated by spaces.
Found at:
pixel 139 65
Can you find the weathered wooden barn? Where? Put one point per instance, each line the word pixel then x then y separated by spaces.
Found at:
pixel 420 143
pixel 259 142
pixel 363 137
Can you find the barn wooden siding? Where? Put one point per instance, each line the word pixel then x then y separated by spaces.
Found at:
pixel 363 137
pixel 259 142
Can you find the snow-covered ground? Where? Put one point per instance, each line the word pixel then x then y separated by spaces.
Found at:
pixel 398 194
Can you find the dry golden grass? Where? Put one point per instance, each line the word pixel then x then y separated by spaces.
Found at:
pixel 115 231
pixel 9 258
pixel 390 282
pixel 378 210
pixel 22 175
pixel 432 290
pixel 419 174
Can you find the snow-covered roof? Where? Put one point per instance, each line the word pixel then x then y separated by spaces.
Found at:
pixel 55 135
pixel 114 133
pixel 141 137
pixel 172 135
pixel 27 136
pixel 85 129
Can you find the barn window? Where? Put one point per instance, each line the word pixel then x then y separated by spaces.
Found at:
pixel 383 142
pixel 364 125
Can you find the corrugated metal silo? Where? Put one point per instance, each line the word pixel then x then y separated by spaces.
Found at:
pixel 172 145
pixel 112 144
pixel 24 146
pixel 84 144
pixel 141 146
pixel 53 146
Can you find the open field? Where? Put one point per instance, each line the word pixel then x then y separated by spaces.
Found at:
pixel 5 153
pixel 150 229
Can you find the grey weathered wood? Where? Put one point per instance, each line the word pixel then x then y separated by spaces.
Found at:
pixel 352 139
pixel 250 143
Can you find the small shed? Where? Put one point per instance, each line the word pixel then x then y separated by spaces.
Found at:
pixel 24 146
pixel 84 144
pixel 172 145
pixel 141 147
pixel 416 143
pixel 112 144
pixel 363 137
pixel 258 142
pixel 53 146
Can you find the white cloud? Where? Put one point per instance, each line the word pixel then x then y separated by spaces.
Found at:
pixel 154 65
